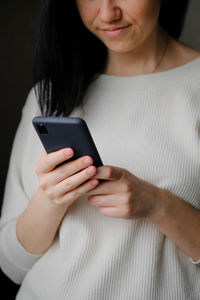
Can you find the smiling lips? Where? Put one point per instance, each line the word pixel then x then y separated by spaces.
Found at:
pixel 113 28
pixel 115 31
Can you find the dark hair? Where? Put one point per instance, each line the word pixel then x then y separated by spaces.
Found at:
pixel 172 16
pixel 68 57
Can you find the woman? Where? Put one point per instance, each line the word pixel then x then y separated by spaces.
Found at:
pixel 117 64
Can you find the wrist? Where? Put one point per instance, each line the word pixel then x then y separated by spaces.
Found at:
pixel 40 195
pixel 162 206
pixel 179 222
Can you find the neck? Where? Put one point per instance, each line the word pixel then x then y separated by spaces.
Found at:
pixel 140 60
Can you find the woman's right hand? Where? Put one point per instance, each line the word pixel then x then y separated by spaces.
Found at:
pixel 65 183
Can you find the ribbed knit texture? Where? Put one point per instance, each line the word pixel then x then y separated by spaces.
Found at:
pixel 149 125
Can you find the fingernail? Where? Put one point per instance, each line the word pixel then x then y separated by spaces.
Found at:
pixel 68 151
pixel 91 170
pixel 87 161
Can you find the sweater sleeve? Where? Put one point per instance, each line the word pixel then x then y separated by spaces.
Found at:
pixel 15 261
pixel 194 262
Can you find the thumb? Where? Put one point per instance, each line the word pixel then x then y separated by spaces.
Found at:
pixel 109 173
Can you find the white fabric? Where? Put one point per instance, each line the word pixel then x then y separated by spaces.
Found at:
pixel 149 125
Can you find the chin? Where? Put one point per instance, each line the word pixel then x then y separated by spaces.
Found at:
pixel 119 47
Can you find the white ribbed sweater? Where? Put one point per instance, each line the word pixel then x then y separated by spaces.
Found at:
pixel 149 125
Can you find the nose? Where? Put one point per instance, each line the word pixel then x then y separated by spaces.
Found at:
pixel 108 11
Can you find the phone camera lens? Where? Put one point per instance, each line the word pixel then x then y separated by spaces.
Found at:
pixel 42 129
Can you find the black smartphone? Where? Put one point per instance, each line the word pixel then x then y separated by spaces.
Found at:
pixel 57 133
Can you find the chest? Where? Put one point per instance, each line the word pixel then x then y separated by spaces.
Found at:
pixel 156 140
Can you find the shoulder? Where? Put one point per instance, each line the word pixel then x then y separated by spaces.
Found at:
pixel 31 104
pixel 185 52
pixel 180 54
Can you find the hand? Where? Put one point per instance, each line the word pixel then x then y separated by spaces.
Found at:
pixel 64 184
pixel 123 195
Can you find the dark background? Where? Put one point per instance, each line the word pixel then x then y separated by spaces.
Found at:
pixel 18 19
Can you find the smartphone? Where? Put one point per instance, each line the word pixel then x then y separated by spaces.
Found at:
pixel 57 133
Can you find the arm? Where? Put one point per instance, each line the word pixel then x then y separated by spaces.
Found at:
pixel 15 261
pixel 24 213
pixel 28 225
pixel 58 189
pixel 127 196
pixel 36 228
pixel 179 221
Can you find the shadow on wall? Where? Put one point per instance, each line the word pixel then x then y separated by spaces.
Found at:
pixel 191 30
pixel 18 25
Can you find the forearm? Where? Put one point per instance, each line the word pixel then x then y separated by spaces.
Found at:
pixel 180 222
pixel 37 226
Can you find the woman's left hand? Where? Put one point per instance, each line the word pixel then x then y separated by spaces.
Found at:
pixel 124 195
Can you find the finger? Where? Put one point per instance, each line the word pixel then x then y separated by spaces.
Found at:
pixel 106 200
pixel 66 170
pixel 72 182
pixel 107 187
pixel 109 173
pixel 70 197
pixel 114 212
pixel 49 161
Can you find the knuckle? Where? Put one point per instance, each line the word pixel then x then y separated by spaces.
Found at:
pixel 43 184
pixel 36 169
pixel 127 187
pixel 83 190
pixel 67 199
pixel 63 199
pixel 90 186
pixel 50 194
pixel 59 202
pixel 46 160
pixel 63 172
pixel 68 186
pixel 76 194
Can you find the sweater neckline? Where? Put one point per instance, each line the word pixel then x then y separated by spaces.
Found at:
pixel 146 81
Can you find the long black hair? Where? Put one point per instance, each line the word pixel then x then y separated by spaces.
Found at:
pixel 68 57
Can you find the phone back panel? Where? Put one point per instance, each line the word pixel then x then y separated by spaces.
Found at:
pixel 63 132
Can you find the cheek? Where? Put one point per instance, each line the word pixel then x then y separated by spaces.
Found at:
pixel 87 13
pixel 146 11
